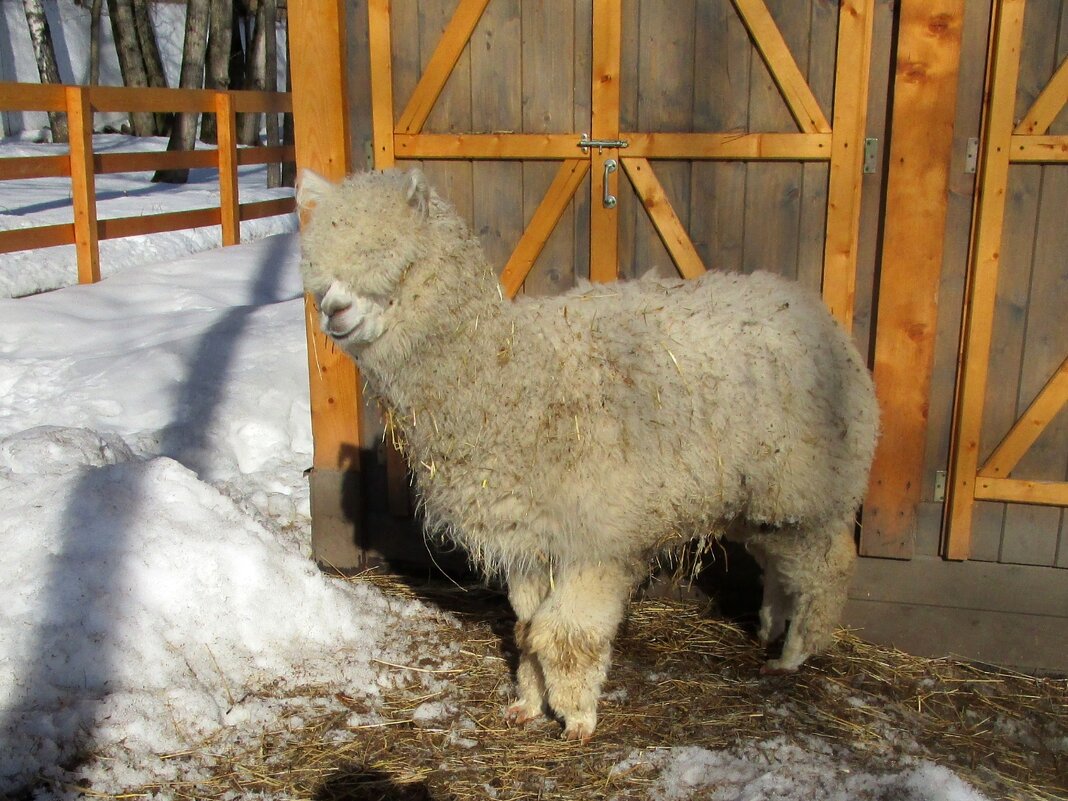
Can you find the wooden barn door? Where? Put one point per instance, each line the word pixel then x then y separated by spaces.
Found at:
pixel 1014 353
pixel 604 152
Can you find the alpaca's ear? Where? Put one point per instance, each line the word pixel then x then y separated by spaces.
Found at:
pixel 417 192
pixel 311 187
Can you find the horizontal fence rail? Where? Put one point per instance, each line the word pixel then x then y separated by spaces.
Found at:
pixel 81 165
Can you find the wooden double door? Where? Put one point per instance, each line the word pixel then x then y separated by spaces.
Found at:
pixel 599 140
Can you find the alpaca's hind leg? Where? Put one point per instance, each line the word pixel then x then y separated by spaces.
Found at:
pixel 572 636
pixel 526 591
pixel 775 607
pixel 814 570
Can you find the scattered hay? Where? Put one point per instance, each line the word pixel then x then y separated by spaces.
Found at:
pixel 680 677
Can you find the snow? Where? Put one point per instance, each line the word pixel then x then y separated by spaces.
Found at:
pixel 46 201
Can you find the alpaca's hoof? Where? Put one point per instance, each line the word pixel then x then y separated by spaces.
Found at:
pixel 520 713
pixel 580 730
pixel 778 667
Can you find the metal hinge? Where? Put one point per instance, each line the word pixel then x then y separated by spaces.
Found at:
pixel 871 155
pixel 971 155
pixel 940 485
pixel 586 143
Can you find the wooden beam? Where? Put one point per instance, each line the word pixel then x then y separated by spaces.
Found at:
pixel 486 146
pixel 317 63
pixel 730 146
pixel 142 224
pixel 783 67
pixel 34 167
pixel 1038 149
pixel 981 288
pixel 1042 493
pixel 380 44
pixel 546 216
pixel 1030 426
pixel 83 184
pixel 855 19
pixel 229 199
pixel 453 41
pixel 41 236
pixel 267 208
pixel 604 221
pixel 917 195
pixel 1047 105
pixel 671 230
pixel 32 97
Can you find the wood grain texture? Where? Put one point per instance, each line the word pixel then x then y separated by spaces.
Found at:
pixel 320 119
pixel 981 293
pixel 921 150
pixel 83 184
pixel 229 199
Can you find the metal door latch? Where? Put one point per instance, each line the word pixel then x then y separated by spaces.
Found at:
pixel 586 143
pixel 609 200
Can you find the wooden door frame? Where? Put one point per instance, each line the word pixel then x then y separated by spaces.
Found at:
pixel 1003 143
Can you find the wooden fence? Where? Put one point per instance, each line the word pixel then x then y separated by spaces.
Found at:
pixel 82 165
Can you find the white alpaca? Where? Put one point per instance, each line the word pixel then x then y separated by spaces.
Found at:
pixel 567 441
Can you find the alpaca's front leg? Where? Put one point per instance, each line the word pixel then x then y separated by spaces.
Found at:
pixel 526 591
pixel 571 634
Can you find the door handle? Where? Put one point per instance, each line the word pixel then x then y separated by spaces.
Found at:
pixel 610 167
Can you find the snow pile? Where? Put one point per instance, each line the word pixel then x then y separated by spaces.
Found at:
pixel 154 430
pixel 780 771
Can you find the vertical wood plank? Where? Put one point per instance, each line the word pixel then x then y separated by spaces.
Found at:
pixel 629 211
pixel 773 189
pixel 496 105
pixel 812 233
pixel 665 103
pixel 855 20
pixel 982 289
pixel 320 121
pixel 452 111
pixel 604 222
pixel 962 187
pixel 380 43
pixel 83 183
pixel 229 198
pixel 925 88
pixel 548 104
pixel 721 104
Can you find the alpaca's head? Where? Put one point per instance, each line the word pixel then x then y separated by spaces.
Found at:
pixel 361 238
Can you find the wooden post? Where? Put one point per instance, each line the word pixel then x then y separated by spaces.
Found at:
pixel 847 157
pixel 229 200
pixel 320 122
pixel 83 183
pixel 981 290
pixel 604 222
pixel 921 149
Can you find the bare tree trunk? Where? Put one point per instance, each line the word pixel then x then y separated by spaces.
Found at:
pixel 194 49
pixel 146 37
pixel 270 57
pixel 46 61
pixel 248 124
pixel 94 43
pixel 131 60
pixel 217 76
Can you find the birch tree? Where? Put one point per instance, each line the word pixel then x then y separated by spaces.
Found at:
pixel 45 54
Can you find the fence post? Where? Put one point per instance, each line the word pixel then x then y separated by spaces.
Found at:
pixel 83 183
pixel 229 200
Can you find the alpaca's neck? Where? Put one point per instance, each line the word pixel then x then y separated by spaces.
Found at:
pixel 454 323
